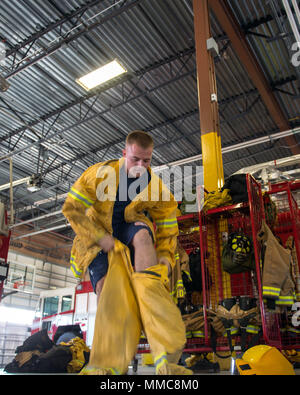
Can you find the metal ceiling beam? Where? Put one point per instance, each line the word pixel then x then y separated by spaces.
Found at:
pixel 161 124
pixel 243 50
pixel 139 73
pixel 76 100
pixel 88 119
pixel 82 99
pixel 67 40
pixel 31 39
pixel 122 139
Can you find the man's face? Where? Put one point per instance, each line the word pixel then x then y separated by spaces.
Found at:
pixel 137 159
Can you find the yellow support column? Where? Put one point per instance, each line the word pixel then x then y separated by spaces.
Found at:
pixel 208 100
pixel 210 129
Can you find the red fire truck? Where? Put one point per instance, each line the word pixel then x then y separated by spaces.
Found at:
pixel 67 306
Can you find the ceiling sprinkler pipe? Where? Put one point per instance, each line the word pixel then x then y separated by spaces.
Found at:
pixel 41 231
pixel 289 161
pixel 36 219
pixel 235 147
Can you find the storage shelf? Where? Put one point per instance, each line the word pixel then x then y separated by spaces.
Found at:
pixel 223 209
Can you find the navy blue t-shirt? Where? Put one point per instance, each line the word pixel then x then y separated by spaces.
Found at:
pixel 128 189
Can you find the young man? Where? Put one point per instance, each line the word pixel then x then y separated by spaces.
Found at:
pixel 137 235
pixel 114 200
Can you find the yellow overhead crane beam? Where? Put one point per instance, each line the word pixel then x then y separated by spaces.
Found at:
pixel 207 99
pixel 210 132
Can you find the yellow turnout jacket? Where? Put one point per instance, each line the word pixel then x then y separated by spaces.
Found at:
pixel 89 209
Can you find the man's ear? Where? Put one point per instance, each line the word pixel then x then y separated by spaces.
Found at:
pixel 124 152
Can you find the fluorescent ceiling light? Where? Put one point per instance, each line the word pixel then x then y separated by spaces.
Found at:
pixel 101 75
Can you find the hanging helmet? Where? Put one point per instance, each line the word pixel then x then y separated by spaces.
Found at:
pixel 241 246
pixel 238 254
pixel 264 360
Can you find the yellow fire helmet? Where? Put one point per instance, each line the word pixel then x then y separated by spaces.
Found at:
pixel 264 360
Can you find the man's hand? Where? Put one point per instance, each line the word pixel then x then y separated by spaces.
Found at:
pixel 165 261
pixel 107 243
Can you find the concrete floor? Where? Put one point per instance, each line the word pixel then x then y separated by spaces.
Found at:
pixel 142 371
pixel 148 370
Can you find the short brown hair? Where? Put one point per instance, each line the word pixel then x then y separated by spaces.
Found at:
pixel 141 138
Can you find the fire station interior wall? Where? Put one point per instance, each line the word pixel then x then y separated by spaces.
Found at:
pixel 38 276
pixel 11 336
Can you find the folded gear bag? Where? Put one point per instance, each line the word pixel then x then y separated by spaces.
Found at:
pixel 55 360
pixel 23 362
pixel 237 186
pixel 38 341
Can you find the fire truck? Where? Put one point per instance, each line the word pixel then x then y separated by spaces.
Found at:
pixel 67 306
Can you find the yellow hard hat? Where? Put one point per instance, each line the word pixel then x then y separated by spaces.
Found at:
pixel 264 360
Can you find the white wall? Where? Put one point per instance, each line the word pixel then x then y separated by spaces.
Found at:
pixel 11 336
pixel 39 276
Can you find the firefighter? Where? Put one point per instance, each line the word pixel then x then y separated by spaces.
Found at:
pixel 114 200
